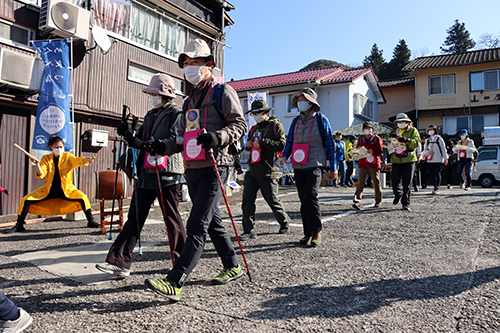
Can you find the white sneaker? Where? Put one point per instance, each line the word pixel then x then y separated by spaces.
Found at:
pixel 468 188
pixel 449 186
pixel 18 325
pixel 113 269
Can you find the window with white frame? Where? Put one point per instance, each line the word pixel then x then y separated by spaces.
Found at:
pixel 363 105
pixel 442 84
pixel 289 107
pixel 15 34
pixel 142 74
pixel 451 125
pixel 487 80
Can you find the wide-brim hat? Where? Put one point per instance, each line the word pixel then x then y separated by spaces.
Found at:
pixel 464 132
pixel 197 48
pixel 310 95
pixel 161 84
pixel 259 105
pixel 402 117
pixel 432 127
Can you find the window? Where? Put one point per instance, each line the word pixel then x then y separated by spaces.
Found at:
pixel 15 34
pixel 440 85
pixel 289 107
pixel 462 122
pixel 487 154
pixel 477 123
pixel 142 74
pixel 363 106
pixel 487 80
pixel 451 125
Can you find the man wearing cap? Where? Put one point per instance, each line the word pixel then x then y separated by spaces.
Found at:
pixel 369 165
pixel 349 145
pixel 403 160
pixel 309 144
pixel 435 152
pixel 265 140
pixel 162 123
pixel 221 123
pixel 465 149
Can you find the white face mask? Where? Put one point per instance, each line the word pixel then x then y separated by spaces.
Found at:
pixel 193 74
pixel 155 101
pixel 303 105
pixel 463 137
pixel 58 151
pixel 431 132
pixel 368 131
pixel 402 125
pixel 258 117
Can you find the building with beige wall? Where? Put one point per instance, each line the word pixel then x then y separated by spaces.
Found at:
pixel 400 96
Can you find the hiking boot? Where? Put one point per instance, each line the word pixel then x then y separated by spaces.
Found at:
pixel 165 287
pixel 356 206
pixel 93 224
pixel 305 240
pixel 415 189
pixel 377 204
pixel 406 208
pixel 228 274
pixel 396 200
pixel 18 325
pixel 316 238
pixel 247 235
pixel 16 228
pixel 113 269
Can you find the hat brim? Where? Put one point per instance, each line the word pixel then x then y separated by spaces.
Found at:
pixel 194 55
pixel 259 110
pixel 149 90
pixel 315 103
pixel 404 119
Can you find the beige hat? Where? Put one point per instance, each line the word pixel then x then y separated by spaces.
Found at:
pixel 161 84
pixel 402 117
pixel 310 95
pixel 197 48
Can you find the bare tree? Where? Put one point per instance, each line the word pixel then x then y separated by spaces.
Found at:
pixel 488 41
pixel 419 53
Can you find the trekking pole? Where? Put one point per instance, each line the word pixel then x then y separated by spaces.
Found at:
pixel 117 167
pixel 163 207
pixel 229 211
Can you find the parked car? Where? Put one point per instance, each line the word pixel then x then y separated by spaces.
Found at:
pixel 487 170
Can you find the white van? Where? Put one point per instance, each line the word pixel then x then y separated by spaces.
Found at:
pixel 487 169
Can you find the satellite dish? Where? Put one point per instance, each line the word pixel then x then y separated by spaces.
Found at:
pixel 101 38
pixel 65 16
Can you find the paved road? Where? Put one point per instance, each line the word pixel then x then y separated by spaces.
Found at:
pixel 434 269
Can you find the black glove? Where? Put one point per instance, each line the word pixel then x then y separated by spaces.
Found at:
pixel 156 147
pixel 393 135
pixel 208 140
pixel 401 139
pixel 122 129
pixel 135 142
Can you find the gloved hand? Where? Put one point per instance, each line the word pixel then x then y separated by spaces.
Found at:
pixel 280 161
pixel 401 139
pixel 156 147
pixel 208 140
pixel 135 142
pixel 393 135
pixel 122 129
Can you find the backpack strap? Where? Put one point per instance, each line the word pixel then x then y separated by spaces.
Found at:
pixel 321 127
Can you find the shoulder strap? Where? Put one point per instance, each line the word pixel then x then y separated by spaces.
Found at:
pixel 218 99
pixel 321 127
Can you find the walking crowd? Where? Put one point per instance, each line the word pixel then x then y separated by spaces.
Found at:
pixel 194 144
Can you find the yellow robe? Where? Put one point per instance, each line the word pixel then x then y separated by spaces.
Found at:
pixel 67 162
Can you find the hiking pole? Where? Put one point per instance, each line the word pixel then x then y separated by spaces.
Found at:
pixel 163 207
pixel 229 210
pixel 117 167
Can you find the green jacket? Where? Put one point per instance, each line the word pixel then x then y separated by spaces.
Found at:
pixel 412 134
pixel 272 141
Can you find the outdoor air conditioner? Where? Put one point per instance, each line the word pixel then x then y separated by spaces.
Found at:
pixel 63 19
pixel 20 70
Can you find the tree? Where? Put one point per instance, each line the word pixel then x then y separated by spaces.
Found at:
pixel 458 39
pixel 376 61
pixel 488 41
pixel 400 58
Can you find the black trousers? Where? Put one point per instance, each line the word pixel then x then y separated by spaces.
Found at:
pixel 205 218
pixel 120 253
pixel 435 171
pixel 307 182
pixel 348 173
pixel 402 173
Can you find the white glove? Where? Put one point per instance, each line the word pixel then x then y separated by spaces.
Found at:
pixel 280 161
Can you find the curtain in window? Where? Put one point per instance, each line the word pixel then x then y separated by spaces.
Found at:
pixel 491 80
pixel 448 83
pixel 172 38
pixel 144 27
pixel 435 85
pixel 111 15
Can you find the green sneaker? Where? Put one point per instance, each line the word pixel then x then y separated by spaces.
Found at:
pixel 228 274
pixel 165 287
pixel 316 238
pixel 305 240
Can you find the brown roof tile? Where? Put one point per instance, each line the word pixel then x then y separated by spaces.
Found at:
pixel 455 59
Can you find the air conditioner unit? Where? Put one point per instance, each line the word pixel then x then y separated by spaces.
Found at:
pixel 19 70
pixel 63 19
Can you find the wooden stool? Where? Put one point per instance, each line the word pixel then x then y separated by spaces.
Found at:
pixel 118 212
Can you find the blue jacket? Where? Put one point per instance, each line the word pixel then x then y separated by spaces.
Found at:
pixel 339 150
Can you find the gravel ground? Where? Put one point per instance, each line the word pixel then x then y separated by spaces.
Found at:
pixel 434 269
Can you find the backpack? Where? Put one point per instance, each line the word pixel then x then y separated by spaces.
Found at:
pixel 319 117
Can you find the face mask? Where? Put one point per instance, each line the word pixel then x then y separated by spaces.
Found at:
pixel 337 139
pixel 402 125
pixel 193 74
pixel 58 151
pixel 463 137
pixel 258 117
pixel 368 131
pixel 303 105
pixel 431 132
pixel 155 101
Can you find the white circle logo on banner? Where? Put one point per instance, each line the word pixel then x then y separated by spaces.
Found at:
pixel 299 155
pixel 255 155
pixel 52 119
pixel 192 148
pixel 369 159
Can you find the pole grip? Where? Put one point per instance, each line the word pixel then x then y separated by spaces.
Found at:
pixel 124 112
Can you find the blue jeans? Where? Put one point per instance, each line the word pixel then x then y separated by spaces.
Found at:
pixel 467 164
pixel 8 310
pixel 341 170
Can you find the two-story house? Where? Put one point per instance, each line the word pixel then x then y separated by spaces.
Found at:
pixel 456 91
pixel 145 37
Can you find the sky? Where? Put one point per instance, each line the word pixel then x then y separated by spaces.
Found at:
pixel 280 36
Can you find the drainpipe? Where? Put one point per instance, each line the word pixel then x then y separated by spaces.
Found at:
pixel 470 113
pixel 416 100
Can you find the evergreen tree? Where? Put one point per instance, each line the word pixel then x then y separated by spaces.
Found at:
pixel 400 57
pixel 458 39
pixel 376 61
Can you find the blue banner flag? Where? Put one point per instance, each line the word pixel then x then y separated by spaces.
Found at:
pixel 53 111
